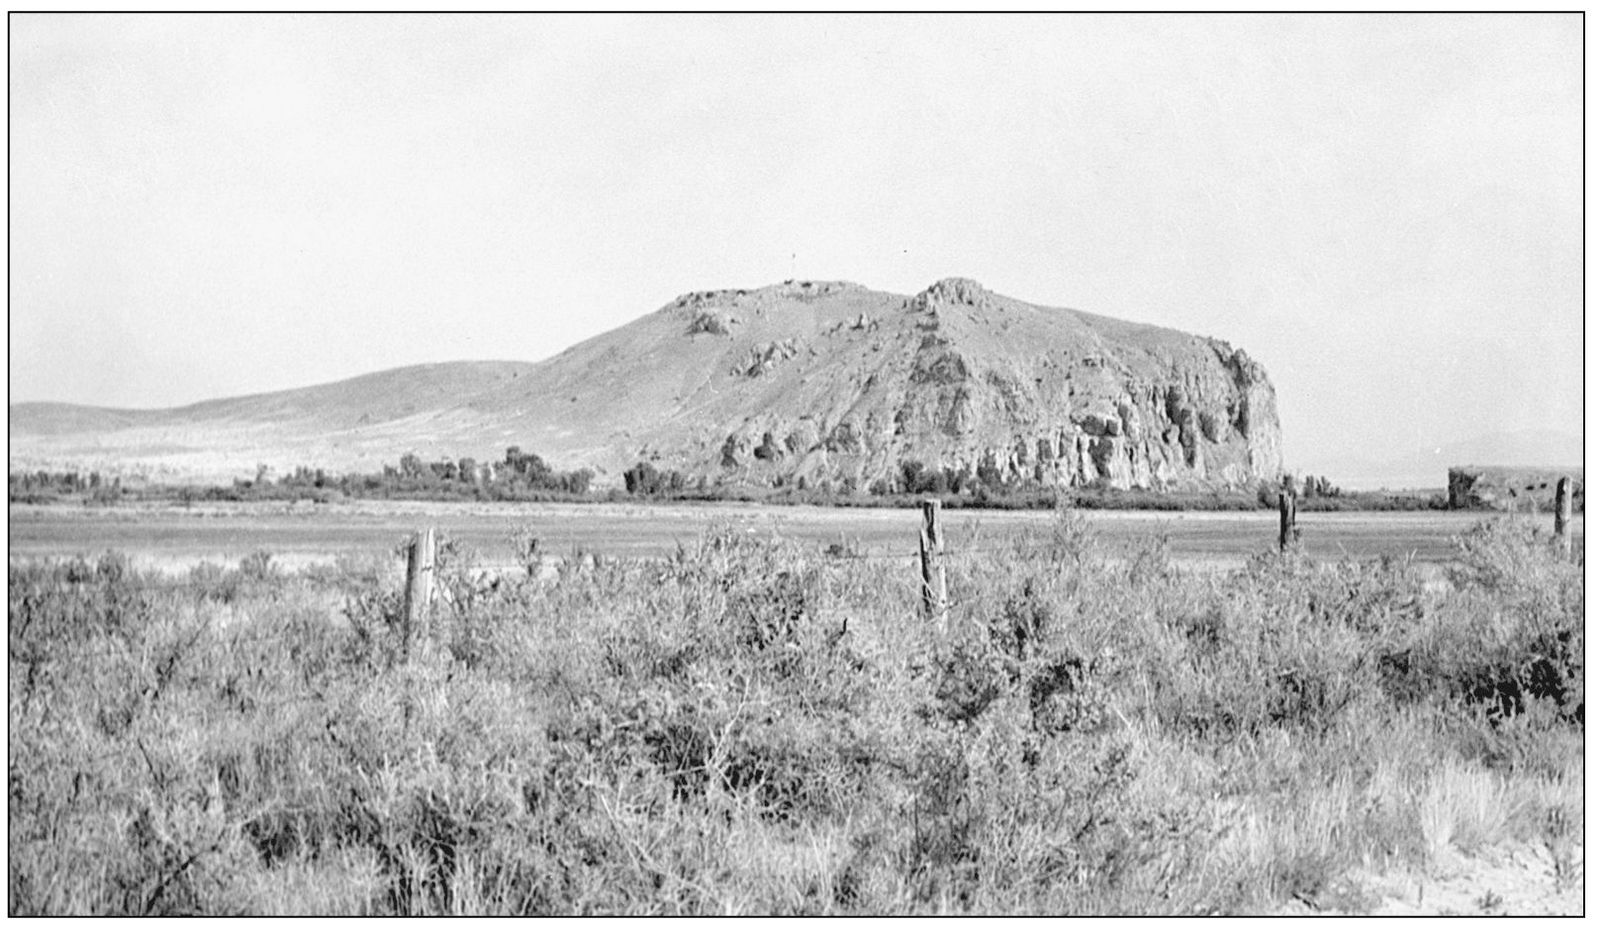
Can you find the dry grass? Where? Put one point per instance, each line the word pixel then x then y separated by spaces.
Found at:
pixel 752 727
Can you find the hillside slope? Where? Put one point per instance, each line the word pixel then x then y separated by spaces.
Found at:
pixel 827 381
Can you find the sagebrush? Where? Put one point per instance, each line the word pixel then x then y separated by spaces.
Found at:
pixel 753 727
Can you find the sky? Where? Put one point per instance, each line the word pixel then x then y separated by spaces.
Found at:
pixel 1385 210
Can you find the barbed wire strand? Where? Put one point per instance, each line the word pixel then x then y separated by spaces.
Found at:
pixel 237 584
pixel 233 580
pixel 93 587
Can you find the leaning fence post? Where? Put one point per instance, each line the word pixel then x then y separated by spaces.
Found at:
pixel 1561 514
pixel 419 589
pixel 932 567
pixel 1288 519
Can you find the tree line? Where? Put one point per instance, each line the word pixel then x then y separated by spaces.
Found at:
pixel 518 476
pixel 521 476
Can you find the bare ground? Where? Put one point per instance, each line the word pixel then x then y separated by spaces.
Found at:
pixel 1513 879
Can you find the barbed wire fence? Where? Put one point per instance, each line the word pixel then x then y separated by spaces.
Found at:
pixel 433 570
pixel 429 574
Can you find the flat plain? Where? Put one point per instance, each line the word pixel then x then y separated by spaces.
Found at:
pixel 172 537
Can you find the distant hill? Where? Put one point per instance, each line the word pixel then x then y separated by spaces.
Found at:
pixel 829 382
pixel 1530 448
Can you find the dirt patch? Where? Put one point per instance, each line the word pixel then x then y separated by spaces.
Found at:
pixel 1514 879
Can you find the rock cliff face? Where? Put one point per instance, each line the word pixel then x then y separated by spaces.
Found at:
pixel 827 382
pixel 961 380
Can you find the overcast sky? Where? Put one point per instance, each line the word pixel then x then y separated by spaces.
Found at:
pixel 1384 210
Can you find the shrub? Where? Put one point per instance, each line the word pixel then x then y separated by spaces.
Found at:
pixel 749 726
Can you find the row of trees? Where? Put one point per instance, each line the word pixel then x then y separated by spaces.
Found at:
pixel 517 471
pixel 914 478
pixel 42 486
pixel 1319 488
pixel 645 479
pixel 65 482
pixel 521 476
pixel 518 477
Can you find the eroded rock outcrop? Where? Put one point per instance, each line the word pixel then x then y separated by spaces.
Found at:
pixel 973 384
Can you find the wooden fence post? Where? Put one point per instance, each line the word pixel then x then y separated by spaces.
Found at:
pixel 419 590
pixel 932 567
pixel 1561 514
pixel 1288 520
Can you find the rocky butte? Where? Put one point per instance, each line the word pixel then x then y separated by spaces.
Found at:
pixel 827 382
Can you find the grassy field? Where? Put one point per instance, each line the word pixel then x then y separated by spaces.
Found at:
pixel 170 536
pixel 755 725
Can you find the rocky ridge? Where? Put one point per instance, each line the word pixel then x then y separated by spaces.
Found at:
pixel 829 384
pixel 976 384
